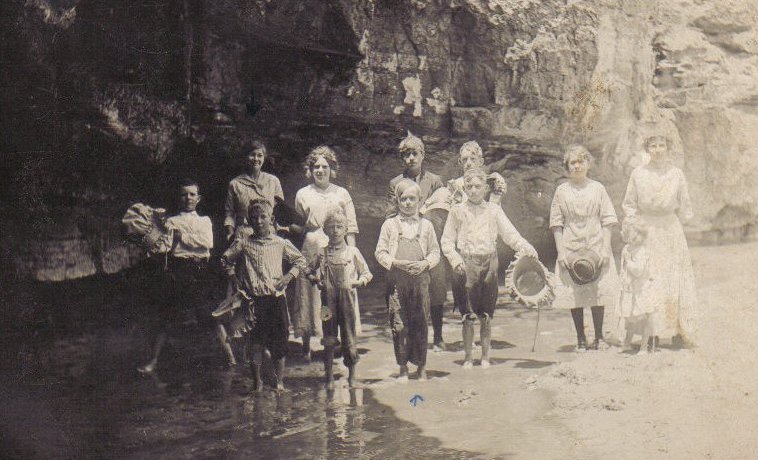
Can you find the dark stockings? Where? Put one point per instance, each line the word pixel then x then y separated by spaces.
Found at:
pixel 436 314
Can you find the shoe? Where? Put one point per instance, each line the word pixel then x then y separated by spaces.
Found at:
pixel 468 364
pixel 595 345
pixel 439 347
pixel 485 363
pixel 581 344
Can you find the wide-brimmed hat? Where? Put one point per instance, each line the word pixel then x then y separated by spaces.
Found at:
pixel 584 266
pixel 529 281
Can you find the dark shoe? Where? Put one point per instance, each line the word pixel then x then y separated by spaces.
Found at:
pixel 581 344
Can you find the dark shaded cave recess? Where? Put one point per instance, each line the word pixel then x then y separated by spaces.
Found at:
pixel 291 55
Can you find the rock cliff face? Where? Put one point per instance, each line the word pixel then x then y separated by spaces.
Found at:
pixel 106 103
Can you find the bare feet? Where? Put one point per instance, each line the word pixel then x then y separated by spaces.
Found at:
pixel 147 368
pixel 468 364
pixel 403 377
pixel 279 386
pixel 329 384
pixel 421 373
pixel 485 363
pixel 258 386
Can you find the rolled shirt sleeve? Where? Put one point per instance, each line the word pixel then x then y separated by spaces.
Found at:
pixel 382 252
pixel 294 258
pixel 450 237
pixel 364 274
pixel 231 256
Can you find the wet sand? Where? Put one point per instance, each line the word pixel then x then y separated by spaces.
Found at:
pixel 80 396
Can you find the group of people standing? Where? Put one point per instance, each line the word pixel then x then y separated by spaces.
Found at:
pixel 436 236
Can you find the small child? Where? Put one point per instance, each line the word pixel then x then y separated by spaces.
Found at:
pixel 469 243
pixel 408 248
pixel 262 254
pixel 338 271
pixel 636 313
pixel 188 242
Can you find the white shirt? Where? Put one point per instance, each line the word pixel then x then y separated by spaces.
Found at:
pixel 473 229
pixel 395 227
pixel 195 235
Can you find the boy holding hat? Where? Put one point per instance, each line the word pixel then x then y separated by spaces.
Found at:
pixel 469 243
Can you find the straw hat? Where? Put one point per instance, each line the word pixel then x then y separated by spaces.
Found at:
pixel 529 281
pixel 584 266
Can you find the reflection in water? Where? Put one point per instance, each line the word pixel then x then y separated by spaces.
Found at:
pixel 200 411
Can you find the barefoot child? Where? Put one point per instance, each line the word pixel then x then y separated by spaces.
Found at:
pixel 468 242
pixel 339 270
pixel 188 241
pixel 408 248
pixel 637 314
pixel 262 254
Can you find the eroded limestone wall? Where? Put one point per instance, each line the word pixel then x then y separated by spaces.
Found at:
pixel 110 103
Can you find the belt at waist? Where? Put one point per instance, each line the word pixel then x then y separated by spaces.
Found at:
pixel 191 262
pixel 481 257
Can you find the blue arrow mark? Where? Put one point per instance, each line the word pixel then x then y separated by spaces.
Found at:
pixel 416 399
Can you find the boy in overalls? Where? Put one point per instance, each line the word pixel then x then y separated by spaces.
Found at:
pixel 408 248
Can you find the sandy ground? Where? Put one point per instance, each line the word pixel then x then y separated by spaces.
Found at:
pixel 555 403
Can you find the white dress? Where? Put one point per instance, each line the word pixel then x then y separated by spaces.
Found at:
pixel 659 195
pixel 582 212
pixel 313 203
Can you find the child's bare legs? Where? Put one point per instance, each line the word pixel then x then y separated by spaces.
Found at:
pixel 646 330
pixel 329 365
pixel 628 341
pixel 468 341
pixel 160 340
pixel 280 374
pixel 421 373
pixel 257 361
pixel 351 375
pixel 307 346
pixel 403 372
pixel 485 330
pixel 223 338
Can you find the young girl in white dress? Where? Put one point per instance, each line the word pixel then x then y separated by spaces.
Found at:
pixel 636 313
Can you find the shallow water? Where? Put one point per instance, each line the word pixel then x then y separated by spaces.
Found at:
pixel 193 408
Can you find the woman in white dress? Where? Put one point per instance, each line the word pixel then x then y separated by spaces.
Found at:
pixel 581 217
pixel 313 203
pixel 657 193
